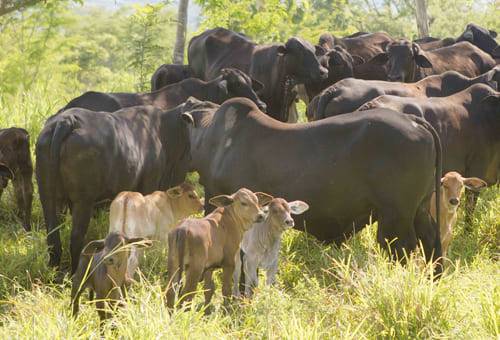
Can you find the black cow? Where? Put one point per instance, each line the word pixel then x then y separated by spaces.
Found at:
pixel 168 74
pixel 435 44
pixel 365 46
pixel 407 62
pixel 482 38
pixel 278 66
pixel 16 166
pixel 346 167
pixel 349 94
pixel 230 83
pixel 84 157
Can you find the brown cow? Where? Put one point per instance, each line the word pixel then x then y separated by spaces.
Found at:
pixel 407 62
pixel 201 245
pixel 16 166
pixel 452 185
pixel 366 46
pixel 435 44
pixel 103 270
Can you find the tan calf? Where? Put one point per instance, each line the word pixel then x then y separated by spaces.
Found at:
pixel 452 185
pixel 102 269
pixel 201 245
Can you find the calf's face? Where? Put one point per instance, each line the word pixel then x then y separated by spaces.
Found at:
pixel 452 185
pixel 279 212
pixel 187 201
pixel 246 205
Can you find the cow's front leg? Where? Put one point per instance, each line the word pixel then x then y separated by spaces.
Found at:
pixel 271 273
pixel 251 276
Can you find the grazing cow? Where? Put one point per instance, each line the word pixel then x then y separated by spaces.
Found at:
pixel 85 157
pixel 452 185
pixel 365 46
pixel 435 44
pixel 16 166
pixel 230 83
pixel 349 94
pixel 279 67
pixel 261 244
pixel 468 123
pixel 408 63
pixel 482 38
pixel 102 269
pixel 168 74
pixel 201 245
pixel 324 163
pixel 152 216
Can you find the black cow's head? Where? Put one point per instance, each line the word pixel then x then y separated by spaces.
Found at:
pixel 481 37
pixel 240 84
pixel 403 59
pixel 301 61
pixel 341 63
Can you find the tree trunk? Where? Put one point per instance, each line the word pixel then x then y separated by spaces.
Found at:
pixel 180 39
pixel 422 19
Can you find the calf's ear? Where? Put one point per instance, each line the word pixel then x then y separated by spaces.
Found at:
pixel 474 183
pixel 319 50
pixel 175 192
pixel 298 207
pixel 141 242
pixel 221 201
pixel 380 59
pixel 6 172
pixel 263 198
pixel 93 247
pixel 422 61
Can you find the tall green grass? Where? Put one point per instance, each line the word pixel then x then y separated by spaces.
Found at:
pixel 323 291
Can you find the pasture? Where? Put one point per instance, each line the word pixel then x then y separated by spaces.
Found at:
pixel 352 291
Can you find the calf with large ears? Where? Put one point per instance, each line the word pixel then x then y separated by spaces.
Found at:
pixel 261 244
pixel 201 245
pixel 103 269
pixel 452 185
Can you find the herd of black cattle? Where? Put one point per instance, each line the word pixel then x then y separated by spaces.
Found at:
pixel 208 116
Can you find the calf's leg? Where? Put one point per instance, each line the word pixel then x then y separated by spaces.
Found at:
pixel 23 189
pixel 209 289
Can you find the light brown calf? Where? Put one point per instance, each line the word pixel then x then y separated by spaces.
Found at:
pixel 102 269
pixel 151 216
pixel 452 187
pixel 204 244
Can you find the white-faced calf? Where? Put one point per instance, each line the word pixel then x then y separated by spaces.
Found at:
pixel 102 269
pixel 201 245
pixel 452 185
pixel 261 244
pixel 152 216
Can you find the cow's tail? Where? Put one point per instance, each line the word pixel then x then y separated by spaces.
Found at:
pixel 325 98
pixel 437 184
pixel 47 170
pixel 177 243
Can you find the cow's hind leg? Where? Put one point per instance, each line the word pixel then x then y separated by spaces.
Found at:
pixel 81 213
pixel 209 289
pixel 396 233
pixel 193 275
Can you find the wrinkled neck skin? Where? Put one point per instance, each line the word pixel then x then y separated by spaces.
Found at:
pixel 199 136
pixel 265 234
pixel 235 224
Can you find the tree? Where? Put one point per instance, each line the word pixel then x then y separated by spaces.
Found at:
pixel 9 6
pixel 180 39
pixel 422 19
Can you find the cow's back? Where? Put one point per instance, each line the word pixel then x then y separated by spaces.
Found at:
pixel 218 48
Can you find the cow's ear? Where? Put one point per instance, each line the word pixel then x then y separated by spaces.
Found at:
pixel 298 207
pixel 493 33
pixel 257 86
pixel 381 58
pixel 264 199
pixel 221 201
pixel 496 52
pixel 319 50
pixel 281 50
pixel 357 59
pixel 175 192
pixel 223 86
pixel 187 117
pixel 140 242
pixel 6 172
pixel 93 247
pixel 422 61
pixel 474 183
